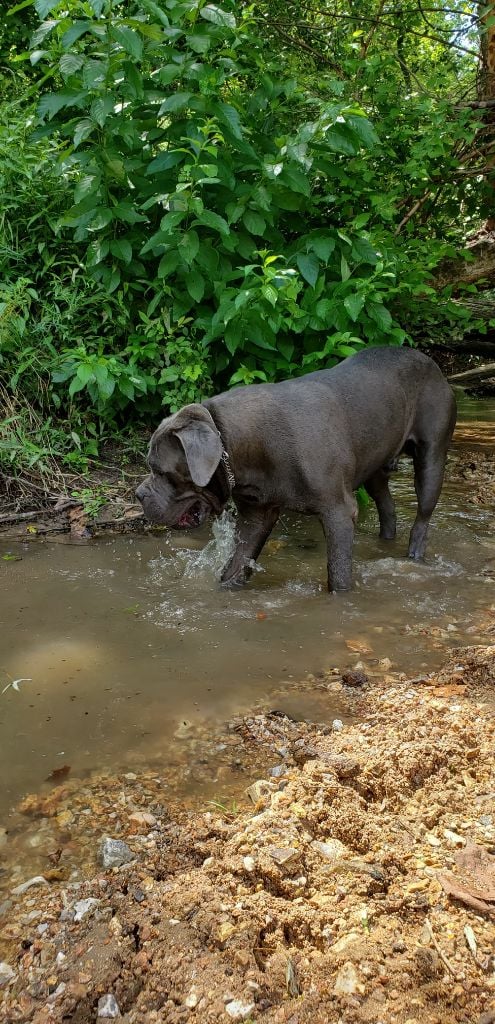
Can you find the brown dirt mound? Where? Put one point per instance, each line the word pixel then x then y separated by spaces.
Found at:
pixel 345 894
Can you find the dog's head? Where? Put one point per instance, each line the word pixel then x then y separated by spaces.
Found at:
pixel 188 479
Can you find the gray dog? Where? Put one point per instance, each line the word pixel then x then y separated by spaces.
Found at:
pixel 306 445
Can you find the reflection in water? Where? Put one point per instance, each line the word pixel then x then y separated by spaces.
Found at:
pixel 126 638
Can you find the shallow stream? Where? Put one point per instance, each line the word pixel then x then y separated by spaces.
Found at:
pixel 126 647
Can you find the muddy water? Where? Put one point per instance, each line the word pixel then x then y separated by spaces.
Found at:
pixel 127 647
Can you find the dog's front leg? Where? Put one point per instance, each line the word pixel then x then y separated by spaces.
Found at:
pixel 254 526
pixel 338 526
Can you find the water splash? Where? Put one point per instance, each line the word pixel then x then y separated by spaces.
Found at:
pixel 217 552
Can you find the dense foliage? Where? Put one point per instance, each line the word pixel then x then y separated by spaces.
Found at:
pixel 200 194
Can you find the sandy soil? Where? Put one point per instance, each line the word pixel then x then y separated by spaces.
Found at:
pixel 359 886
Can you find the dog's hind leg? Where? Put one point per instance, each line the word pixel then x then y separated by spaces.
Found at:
pixel 429 466
pixel 377 488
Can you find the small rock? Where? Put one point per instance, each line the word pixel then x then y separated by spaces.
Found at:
pixel 225 931
pixel 3 837
pixel 282 854
pixel 276 772
pixel 37 880
pixel 108 1006
pixel 114 852
pixel 249 863
pixel 337 725
pixel 355 679
pixel 84 907
pixel 142 818
pixel 259 789
pixel 385 664
pixel 347 982
pixel 59 991
pixel 332 851
pixel 192 999
pixel 239 1010
pixel 7 974
pixel 432 840
pixel 453 839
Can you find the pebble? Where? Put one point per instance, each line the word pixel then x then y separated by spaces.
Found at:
pixel 142 818
pixel 333 851
pixel 249 863
pixel 347 982
pixel 84 907
pixel 453 839
pixel 239 1010
pixel 7 974
pixel 36 880
pixel 108 1006
pixel 282 854
pixel 113 853
pixel 337 725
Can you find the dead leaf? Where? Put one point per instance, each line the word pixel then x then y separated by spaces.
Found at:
pixel 260 616
pixel 475 883
pixel 359 646
pixel 78 523
pixel 453 690
pixel 58 773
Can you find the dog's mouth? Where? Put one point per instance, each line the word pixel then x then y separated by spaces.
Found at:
pixel 193 516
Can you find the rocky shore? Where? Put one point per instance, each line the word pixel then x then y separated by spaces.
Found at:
pixel 355 882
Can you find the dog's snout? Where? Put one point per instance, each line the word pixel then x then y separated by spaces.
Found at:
pixel 140 492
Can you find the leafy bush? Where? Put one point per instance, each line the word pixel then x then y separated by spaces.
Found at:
pixel 197 209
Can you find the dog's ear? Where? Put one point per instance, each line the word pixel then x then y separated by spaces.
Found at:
pixel 201 442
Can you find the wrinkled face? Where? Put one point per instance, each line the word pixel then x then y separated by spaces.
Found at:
pixel 182 489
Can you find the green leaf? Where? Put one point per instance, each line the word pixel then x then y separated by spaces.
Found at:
pixel 228 115
pixel 168 263
pixel 126 212
pixel 52 102
pixel 101 108
pixel 156 11
pixel 101 217
pixel 128 39
pixel 213 220
pixel 217 16
pixel 345 270
pixel 97 7
pixel 189 246
pixel 70 63
pixel 363 129
pixel 177 101
pixel 97 251
pixel 121 249
pixel 83 130
pixel 270 293
pixel 323 245
pixel 254 222
pixel 233 336
pixel 381 316
pixel 43 7
pixel 341 139
pixel 195 284
pixel 309 267
pixel 295 179
pixel 164 161
pixel 363 250
pixel 77 29
pixel 354 304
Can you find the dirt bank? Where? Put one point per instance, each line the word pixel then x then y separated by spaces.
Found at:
pixel 359 887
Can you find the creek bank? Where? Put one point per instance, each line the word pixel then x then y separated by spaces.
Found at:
pixel 358 886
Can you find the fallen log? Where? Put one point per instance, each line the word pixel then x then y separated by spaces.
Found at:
pixel 478 373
